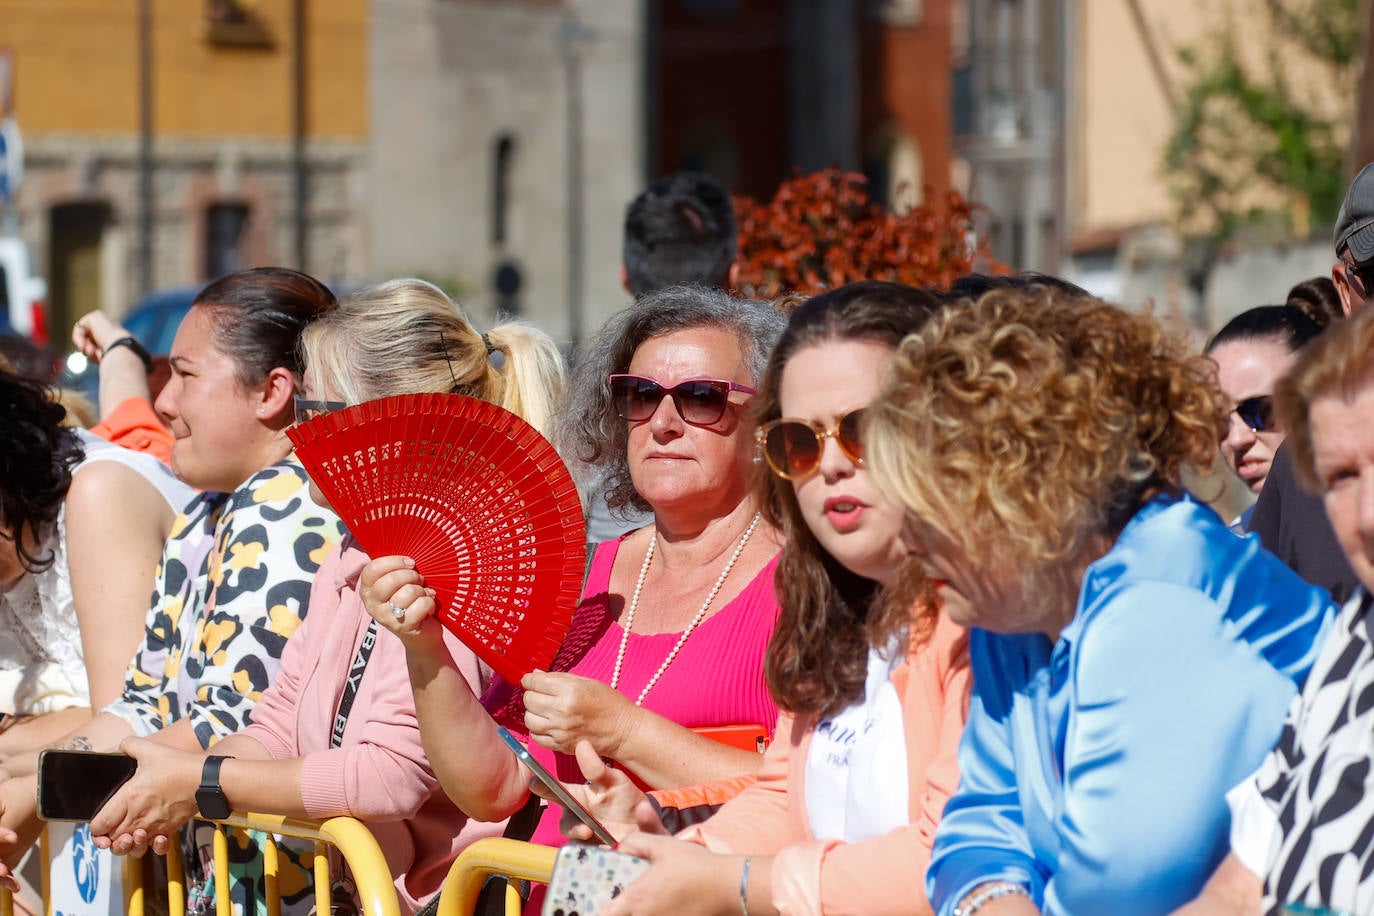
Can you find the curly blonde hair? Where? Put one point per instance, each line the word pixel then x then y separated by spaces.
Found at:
pixel 1026 426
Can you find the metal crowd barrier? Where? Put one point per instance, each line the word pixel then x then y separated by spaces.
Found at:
pixel 354 842
pixel 511 859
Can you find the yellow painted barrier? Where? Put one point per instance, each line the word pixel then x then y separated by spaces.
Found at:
pixel 355 843
pixel 512 859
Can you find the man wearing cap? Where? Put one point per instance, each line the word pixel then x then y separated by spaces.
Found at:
pixel 1291 520
pixel 1353 273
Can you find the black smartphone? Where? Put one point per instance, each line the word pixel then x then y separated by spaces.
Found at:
pixel 556 787
pixel 74 785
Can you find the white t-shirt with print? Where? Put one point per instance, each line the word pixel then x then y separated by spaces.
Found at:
pixel 856 766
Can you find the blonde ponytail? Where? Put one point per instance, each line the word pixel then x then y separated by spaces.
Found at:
pixel 407 337
pixel 533 373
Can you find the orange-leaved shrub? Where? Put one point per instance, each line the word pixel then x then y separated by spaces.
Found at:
pixel 821 230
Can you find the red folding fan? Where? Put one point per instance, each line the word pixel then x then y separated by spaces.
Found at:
pixel 477 498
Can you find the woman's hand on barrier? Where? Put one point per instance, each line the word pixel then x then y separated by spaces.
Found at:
pixel 19 823
pixel 155 803
pixel 397 598
pixel 608 794
pixel 9 842
pixel 562 709
pixel 684 877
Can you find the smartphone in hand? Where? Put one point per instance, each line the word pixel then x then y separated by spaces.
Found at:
pixel 74 785
pixel 587 878
pixel 556 787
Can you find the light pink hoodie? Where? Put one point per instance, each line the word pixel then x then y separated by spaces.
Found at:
pixel 379 774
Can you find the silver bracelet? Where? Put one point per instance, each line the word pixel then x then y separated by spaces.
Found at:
pixel 744 886
pixel 986 892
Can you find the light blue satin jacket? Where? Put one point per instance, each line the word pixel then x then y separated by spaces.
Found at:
pixel 1094 770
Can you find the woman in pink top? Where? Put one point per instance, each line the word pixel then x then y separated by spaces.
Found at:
pixel 676 616
pixel 874 687
pixel 399 337
pixel 726 652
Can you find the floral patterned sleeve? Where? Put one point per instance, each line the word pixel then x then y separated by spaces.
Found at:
pixel 268 544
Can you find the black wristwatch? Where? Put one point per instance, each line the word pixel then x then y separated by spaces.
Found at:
pixel 210 797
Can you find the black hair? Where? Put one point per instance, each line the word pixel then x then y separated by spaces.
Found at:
pixel 1287 325
pixel 258 317
pixel 1317 299
pixel 680 230
pixel 37 455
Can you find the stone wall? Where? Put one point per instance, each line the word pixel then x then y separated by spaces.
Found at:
pixel 190 175
pixel 450 82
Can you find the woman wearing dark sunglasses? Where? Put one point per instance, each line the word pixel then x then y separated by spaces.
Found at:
pixel 675 617
pixel 1252 352
pixel 874 691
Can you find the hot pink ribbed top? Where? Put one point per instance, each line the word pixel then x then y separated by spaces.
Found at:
pixel 716 679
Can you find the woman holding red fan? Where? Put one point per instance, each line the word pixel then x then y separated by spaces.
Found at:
pixel 658 409
pixel 400 337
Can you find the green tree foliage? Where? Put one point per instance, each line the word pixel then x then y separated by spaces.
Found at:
pixel 1264 117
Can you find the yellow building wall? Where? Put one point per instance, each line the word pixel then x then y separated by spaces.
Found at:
pixel 1125 119
pixel 76 68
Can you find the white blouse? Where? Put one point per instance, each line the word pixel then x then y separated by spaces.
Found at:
pixel 42 665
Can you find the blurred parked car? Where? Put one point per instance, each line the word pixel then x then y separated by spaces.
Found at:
pixel 22 293
pixel 154 320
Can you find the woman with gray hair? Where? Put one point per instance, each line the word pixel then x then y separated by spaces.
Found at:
pixel 657 408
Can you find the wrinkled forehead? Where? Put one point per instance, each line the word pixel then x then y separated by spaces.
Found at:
pixel 704 352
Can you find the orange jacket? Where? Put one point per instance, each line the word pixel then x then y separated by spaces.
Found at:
pixel 134 425
pixel 879 875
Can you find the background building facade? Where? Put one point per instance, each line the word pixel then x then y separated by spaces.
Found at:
pixel 168 142
pixel 508 136
pixel 1063 114
pixel 490 146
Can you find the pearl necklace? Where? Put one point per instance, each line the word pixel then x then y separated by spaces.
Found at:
pixel 696 621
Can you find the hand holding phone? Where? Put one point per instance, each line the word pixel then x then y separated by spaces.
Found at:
pixel 553 785
pixel 74 785
pixel 586 879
